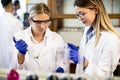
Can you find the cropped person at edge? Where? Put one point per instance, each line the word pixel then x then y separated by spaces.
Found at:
pixel 9 25
pixel 100 44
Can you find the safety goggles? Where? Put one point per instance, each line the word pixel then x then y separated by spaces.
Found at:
pixel 80 15
pixel 41 21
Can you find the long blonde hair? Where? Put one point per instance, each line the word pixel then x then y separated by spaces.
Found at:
pixel 102 21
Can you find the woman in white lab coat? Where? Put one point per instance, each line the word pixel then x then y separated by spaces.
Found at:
pixel 9 24
pixel 37 48
pixel 101 49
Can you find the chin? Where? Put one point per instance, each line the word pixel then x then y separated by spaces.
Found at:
pixel 86 24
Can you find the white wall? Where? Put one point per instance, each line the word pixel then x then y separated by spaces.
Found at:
pixel 73 36
pixel 37 1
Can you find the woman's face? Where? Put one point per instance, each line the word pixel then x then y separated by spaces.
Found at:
pixel 87 16
pixel 40 23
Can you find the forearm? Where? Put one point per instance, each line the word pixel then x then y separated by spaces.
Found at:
pixel 21 58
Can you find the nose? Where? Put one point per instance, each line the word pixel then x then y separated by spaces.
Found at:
pixel 42 24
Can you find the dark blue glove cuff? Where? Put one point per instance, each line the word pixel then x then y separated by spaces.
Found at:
pixel 60 70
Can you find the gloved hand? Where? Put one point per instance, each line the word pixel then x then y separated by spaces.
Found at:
pixel 60 70
pixel 74 56
pixel 73 53
pixel 21 46
pixel 72 46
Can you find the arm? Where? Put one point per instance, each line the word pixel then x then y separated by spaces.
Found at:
pixel 21 58
pixel 22 48
pixel 105 64
pixel 60 66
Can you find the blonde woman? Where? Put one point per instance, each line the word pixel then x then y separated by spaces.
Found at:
pixel 37 48
pixel 100 44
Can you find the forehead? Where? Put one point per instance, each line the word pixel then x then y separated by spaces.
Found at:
pixel 80 9
pixel 42 16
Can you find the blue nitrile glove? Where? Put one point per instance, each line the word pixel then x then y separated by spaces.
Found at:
pixel 74 56
pixel 72 46
pixel 60 70
pixel 73 53
pixel 21 46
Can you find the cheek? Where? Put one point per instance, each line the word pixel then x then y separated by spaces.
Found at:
pixel 91 19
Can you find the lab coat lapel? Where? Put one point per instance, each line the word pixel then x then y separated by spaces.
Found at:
pixel 91 40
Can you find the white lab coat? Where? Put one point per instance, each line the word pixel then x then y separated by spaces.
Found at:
pixel 45 56
pixel 8 25
pixel 104 58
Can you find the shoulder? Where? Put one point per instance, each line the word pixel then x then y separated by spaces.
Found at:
pixel 53 35
pixel 12 19
pixel 57 35
pixel 108 35
pixel 110 38
pixel 23 33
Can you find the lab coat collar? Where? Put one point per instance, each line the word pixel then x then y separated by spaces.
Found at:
pixel 94 32
pixel 47 34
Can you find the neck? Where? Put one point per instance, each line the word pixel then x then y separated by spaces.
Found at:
pixel 38 37
pixel 9 8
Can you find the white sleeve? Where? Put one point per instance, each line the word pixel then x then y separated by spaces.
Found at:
pixel 108 60
pixel 60 53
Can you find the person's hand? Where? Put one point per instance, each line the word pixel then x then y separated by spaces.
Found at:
pixel 21 46
pixel 72 46
pixel 73 53
pixel 60 70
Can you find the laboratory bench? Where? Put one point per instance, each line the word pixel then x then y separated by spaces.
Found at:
pixel 44 76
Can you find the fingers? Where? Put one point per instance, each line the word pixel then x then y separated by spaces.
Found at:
pixel 72 46
pixel 14 39
pixel 60 70
pixel 21 42
pixel 20 45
